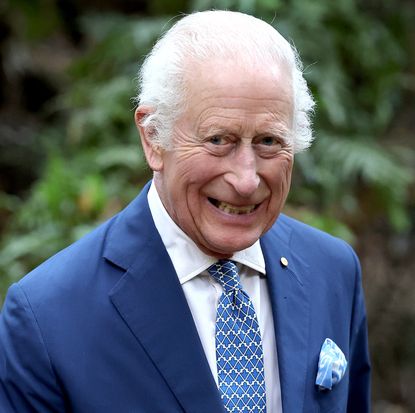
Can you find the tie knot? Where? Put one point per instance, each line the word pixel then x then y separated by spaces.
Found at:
pixel 226 273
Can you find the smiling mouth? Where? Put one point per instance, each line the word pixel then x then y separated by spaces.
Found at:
pixel 232 209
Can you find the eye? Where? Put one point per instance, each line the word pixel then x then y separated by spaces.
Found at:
pixel 268 146
pixel 217 140
pixel 219 145
pixel 270 141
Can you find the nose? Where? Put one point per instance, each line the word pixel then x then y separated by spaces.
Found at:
pixel 242 175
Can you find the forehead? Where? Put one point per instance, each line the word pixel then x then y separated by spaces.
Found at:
pixel 224 94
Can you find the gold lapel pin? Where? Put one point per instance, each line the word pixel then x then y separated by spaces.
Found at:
pixel 284 261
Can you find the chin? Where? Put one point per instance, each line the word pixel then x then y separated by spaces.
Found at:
pixel 227 249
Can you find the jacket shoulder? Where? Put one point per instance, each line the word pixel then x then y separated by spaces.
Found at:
pixel 314 245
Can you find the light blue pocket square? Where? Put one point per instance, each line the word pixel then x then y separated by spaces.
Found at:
pixel 332 365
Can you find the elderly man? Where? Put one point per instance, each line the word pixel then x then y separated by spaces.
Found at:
pixel 200 296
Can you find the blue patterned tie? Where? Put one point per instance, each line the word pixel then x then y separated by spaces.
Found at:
pixel 239 356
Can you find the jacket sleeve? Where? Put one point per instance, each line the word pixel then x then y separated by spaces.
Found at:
pixel 27 381
pixel 359 390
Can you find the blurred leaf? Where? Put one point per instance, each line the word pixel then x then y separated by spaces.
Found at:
pixel 92 197
pixel 128 156
pixel 326 223
pixel 34 19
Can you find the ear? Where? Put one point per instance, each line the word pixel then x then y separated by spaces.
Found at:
pixel 152 151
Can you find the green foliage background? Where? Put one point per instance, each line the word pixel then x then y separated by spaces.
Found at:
pixel 358 58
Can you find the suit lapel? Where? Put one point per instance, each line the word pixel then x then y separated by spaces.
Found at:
pixel 291 311
pixel 151 301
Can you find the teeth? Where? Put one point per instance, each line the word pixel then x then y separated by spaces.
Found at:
pixel 232 209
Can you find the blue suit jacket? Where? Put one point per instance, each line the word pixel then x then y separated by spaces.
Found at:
pixel 104 326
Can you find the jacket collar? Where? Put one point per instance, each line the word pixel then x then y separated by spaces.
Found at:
pixel 151 302
pixel 288 290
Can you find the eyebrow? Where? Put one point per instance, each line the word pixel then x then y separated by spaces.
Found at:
pixel 214 130
pixel 275 130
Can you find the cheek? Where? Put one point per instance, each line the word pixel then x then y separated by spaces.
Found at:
pixel 279 182
pixel 287 171
pixel 179 176
pixel 201 171
pixel 187 181
pixel 281 172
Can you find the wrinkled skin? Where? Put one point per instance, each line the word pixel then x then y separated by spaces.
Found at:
pixel 227 177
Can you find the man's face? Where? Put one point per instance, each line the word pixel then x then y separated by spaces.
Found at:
pixel 226 179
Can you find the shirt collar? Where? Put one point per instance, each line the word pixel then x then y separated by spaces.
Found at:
pixel 188 260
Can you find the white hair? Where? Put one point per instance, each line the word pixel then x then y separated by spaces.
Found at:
pixel 199 37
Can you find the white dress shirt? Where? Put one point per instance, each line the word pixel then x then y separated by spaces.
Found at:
pixel 202 293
